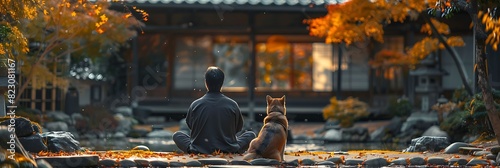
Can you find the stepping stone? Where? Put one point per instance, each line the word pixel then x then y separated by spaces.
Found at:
pixel 326 163
pixel 417 161
pixel 213 161
pixel 353 162
pixel 436 161
pixel 141 147
pixel 239 166
pixel 308 162
pixel 481 153
pixel 43 164
pixel 294 163
pixel 127 163
pixel 336 160
pixel 142 163
pixel 108 163
pixel 457 161
pixel 158 163
pixel 468 150
pixel 476 162
pixel 72 161
pixel 177 164
pixel 239 162
pixel 453 148
pixel 375 162
pixel 491 156
pixel 495 150
pixel 264 162
pixel 399 161
pixel 194 163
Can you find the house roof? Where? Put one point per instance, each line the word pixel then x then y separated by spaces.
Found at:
pixel 282 3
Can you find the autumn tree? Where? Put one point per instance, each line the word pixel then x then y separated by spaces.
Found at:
pixel 360 20
pixel 12 40
pixel 67 28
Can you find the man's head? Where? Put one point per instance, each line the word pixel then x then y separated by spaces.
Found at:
pixel 214 78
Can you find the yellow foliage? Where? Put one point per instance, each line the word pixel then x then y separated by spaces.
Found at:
pixel 442 28
pixel 492 26
pixel 358 20
pixel 346 111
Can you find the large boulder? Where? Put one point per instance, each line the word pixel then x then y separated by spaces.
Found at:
pixel 33 143
pixel 61 141
pixel 22 126
pixel 10 147
pixel 427 143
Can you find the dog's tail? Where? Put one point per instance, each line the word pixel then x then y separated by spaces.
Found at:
pixel 250 156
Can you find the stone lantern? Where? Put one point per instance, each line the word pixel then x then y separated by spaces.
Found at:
pixel 428 86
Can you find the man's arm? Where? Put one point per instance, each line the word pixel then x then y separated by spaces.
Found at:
pixel 239 123
pixel 188 117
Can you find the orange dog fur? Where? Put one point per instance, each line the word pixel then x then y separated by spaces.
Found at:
pixel 271 141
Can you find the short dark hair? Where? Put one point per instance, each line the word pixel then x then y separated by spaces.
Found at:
pixel 214 78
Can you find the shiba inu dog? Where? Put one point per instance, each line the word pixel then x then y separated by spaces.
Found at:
pixel 271 141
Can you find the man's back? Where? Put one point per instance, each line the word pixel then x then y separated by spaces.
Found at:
pixel 214 120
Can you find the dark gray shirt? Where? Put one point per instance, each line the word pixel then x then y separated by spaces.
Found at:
pixel 214 120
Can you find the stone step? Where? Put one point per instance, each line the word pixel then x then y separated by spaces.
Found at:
pixel 71 161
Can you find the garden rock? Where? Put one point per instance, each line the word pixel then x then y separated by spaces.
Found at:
pixel 33 143
pixel 436 161
pixel 417 161
pixel 158 163
pixel 127 163
pixel 333 135
pixel 427 143
pixel 124 110
pixel 376 162
pixel 308 162
pixel 435 131
pixel 453 148
pixel 125 124
pixel 355 134
pixel 61 141
pixel 331 125
pixel 399 161
pixel 160 134
pixel 11 145
pixel 458 161
pixel 213 161
pixel 419 120
pixel 494 150
pixel 22 126
pixel 57 126
pixel 58 116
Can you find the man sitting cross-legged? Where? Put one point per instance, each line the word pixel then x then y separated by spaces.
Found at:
pixel 214 120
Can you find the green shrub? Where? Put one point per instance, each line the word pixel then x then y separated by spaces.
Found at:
pixel 400 107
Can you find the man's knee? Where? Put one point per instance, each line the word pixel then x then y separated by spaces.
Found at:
pixel 178 135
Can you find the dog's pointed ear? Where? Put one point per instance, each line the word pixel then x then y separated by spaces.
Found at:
pixel 268 99
pixel 283 100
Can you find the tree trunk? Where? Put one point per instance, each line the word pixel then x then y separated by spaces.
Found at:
pixel 483 83
pixel 481 69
